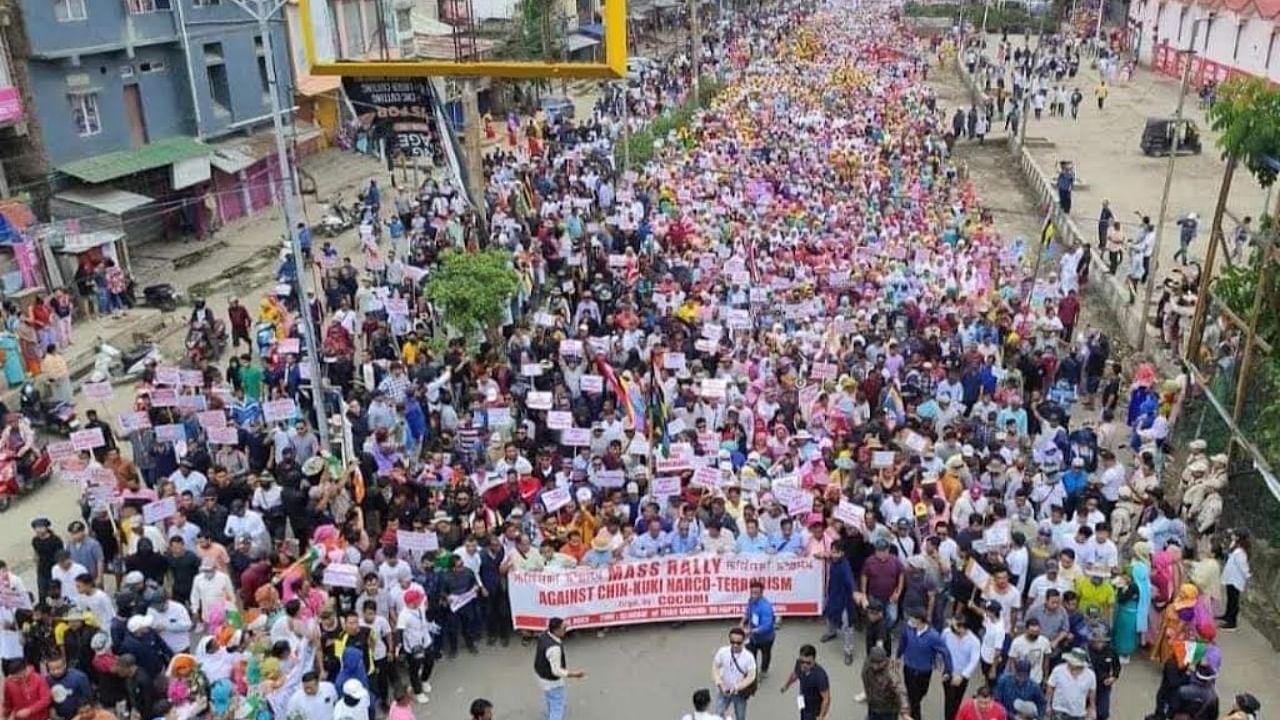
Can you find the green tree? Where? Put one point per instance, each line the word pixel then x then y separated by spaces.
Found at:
pixel 472 290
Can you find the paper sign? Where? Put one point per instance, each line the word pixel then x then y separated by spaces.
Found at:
pixel 191 403
pixel 164 397
pixel 638 446
pixel 666 486
pixel 457 602
pixel 160 510
pixel 705 346
pixel 538 400
pixel 97 391
pixel 278 410
pixel 12 599
pixel 672 466
pixel 593 384
pixel 212 419
pixel 854 516
pixel 617 260
pixel 610 478
pixel 823 371
pixel 882 458
pixel 396 306
pixel 997 536
pixel 914 441
pixel 131 421
pixel 87 439
pixel 571 347
pixel 544 319
pixel 559 419
pixel 61 451
pixel 711 331
pixel 675 427
pixel 168 375
pixel 342 575
pixel 716 388
pixel 575 437
pixel 227 435
pixel 977 575
pixel 673 361
pixel 707 477
pixel 801 504
pixel 500 417
pixel 191 378
pixel 531 369
pixel 417 542
pixel 555 499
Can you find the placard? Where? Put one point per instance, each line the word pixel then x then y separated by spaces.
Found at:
pixel 132 421
pixel 997 536
pixel 87 439
pixel 97 390
pixel 914 441
pixel 638 446
pixel 342 575
pixel 417 543
pixel 571 347
pixel 171 433
pixel 164 397
pixel 12 599
pixel 666 486
pixel 672 466
pixel 716 388
pixel 673 361
pixel 538 400
pixel 500 416
pixel 559 419
pixel 855 516
pixel 160 510
pixel 396 306
pixel 882 458
pixel 575 437
pixel 593 384
pixel 289 346
pixel 457 602
pixel 191 378
pixel 610 479
pixel 555 499
pixel 226 435
pixel 704 345
pixel 61 451
pixel 823 371
pixel 191 403
pixel 544 319
pixel 706 477
pixel 212 419
pixel 168 375
pixel 278 410
pixel 531 369
pixel 977 575
pixel 800 503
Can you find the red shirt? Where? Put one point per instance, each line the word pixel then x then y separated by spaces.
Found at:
pixel 969 711
pixel 29 692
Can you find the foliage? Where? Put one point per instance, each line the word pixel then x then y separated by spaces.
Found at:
pixel 1011 18
pixel 472 289
pixel 527 39
pixel 1246 116
pixel 641 144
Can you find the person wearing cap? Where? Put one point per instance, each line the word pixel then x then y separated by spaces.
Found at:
pixel 1245 707
pixel 412 643
pixel 1106 666
pixel 314 698
pixel 144 644
pixel 882 579
pixel 884 693
pixel 1016 687
pixel 1071 689
pixel 354 702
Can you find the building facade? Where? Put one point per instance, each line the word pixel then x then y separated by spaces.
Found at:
pixel 1232 37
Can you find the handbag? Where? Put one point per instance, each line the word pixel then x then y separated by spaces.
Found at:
pixel 746 692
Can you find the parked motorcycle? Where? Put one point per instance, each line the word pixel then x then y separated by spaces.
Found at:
pixel 111 364
pixel 335 219
pixel 46 415
pixel 162 296
pixel 14 482
pixel 205 341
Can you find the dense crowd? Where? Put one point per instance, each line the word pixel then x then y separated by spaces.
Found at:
pixel 801 291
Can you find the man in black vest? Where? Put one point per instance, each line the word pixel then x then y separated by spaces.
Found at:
pixel 552 668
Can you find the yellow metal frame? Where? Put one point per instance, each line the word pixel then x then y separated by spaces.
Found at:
pixel 614 66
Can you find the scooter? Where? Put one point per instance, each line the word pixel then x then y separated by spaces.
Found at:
pixel 51 417
pixel 110 364
pixel 335 220
pixel 205 342
pixel 12 484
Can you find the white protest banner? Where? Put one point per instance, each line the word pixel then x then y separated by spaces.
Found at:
pixel 97 391
pixel 854 516
pixel 396 306
pixel 575 437
pixel 610 478
pixel 131 421
pixel 13 599
pixel 168 375
pixel 531 369
pixel 191 378
pixel 87 439
pixel 457 602
pixel 801 504
pixel 823 371
pixel 673 361
pixel 61 451
pixel 559 419
pixel 163 397
pixel 599 344
pixel 210 419
pixel 913 441
pixel 977 575
pixel 666 486
pixel 160 510
pixel 191 403
pixel 227 435
pixel 172 433
pixel 290 346
pixel 538 400
pixel 500 416
pixel 638 446
pixel 997 536
pixel 342 575
pixel 544 319
pixel 664 590
pixel 675 427
pixel 593 384
pixel 100 497
pixel 882 458
pixel 278 410
pixel 571 347
pixel 739 320
pixel 716 388
pixel 417 542
pixel 711 331
pixel 705 346
pixel 555 499
pixel 706 477
pixel 672 466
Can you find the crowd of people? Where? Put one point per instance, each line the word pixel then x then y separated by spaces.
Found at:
pixel 801 291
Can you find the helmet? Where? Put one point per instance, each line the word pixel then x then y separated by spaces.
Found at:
pixel 1248 703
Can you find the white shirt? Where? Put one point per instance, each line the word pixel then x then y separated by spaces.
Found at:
pixel 1236 571
pixel 732 669
pixel 319 705
pixel 965 652
pixel 1105 554
pixel 174 625
pixel 412 624
pixel 68 580
pixel 1070 691
pixel 1033 652
pixel 206 591
pixel 1010 600
pixel 993 636
pixel 1042 584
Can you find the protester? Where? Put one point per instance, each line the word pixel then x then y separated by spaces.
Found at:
pixel 814 698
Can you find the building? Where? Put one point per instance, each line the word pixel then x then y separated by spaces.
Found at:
pixel 1241 37
pixel 135 96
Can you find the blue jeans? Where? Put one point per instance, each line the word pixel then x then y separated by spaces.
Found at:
pixel 738 703
pixel 555 703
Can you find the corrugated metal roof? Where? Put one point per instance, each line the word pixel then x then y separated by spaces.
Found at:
pixel 101 168
pixel 108 200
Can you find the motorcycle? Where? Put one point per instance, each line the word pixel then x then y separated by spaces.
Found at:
pixel 13 484
pixel 162 296
pixel 204 341
pixel 53 417
pixel 110 364
pixel 335 220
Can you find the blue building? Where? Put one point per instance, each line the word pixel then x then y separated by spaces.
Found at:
pixel 134 95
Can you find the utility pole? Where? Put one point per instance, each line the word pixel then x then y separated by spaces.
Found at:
pixel 1261 294
pixel 1168 184
pixel 1196 335
pixel 695 37
pixel 475 152
pixel 263 11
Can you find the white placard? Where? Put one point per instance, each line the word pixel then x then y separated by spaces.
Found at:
pixel 160 510
pixel 531 369
pixel 168 375
pixel 555 499
pixel 666 486
pixel 171 433
pixel 610 478
pixel 854 516
pixel 575 437
pixel 210 419
pixel 707 477
pixel 226 435
pixel 342 575
pixel 538 400
pixel 717 388
pixel 417 542
pixel 559 419
pixel 191 378
pixel 87 439
pixel 673 361
pixel 396 306
pixel 137 420
pixel 593 384
pixel 97 391
pixel 882 458
pixel 278 410
pixel 571 347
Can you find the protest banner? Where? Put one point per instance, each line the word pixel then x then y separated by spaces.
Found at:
pixel 555 499
pixel 531 369
pixel 61 451
pixel 191 403
pixel 13 599
pixel 610 478
pixel 673 361
pixel 228 435
pixel 823 371
pixel 160 510
pixel 538 400
pixel 499 416
pixel 664 590
pixel 210 419
pixel 168 375
pixel 715 388
pixel 593 384
pixel 575 437
pixel 417 543
pixel 882 458
pixel 706 477
pixel 341 575
pixel 191 378
pixel 131 421
pixel 559 419
pixel 854 516
pixel 457 602
pixel 278 410
pixel 571 347
pixel 164 397
pixel 97 391
pixel 171 433
pixel 396 306
pixel 87 439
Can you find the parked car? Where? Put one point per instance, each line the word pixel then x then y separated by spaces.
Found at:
pixel 1157 137
pixel 637 66
pixel 557 108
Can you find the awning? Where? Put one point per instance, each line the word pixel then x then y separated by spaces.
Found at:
pixel 594 30
pixel 79 242
pixel 107 200
pixel 231 160
pixel 312 85
pixel 157 154
pixel 577 42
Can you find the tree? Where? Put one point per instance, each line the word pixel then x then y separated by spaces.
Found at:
pixel 472 290
pixel 1246 116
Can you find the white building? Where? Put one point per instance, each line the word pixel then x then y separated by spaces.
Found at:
pixel 1235 37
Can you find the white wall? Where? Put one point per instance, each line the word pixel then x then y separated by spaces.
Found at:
pixel 1249 55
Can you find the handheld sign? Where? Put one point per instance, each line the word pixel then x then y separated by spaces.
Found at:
pixel 87 439
pixel 160 510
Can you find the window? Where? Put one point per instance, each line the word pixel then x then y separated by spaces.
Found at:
pixel 1235 49
pixel 84 111
pixel 69 10
pixel 145 7
pixel 148 68
pixel 404 20
pixel 205 3
pixel 126 71
pixel 263 78
pixel 219 85
pixel 257 45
